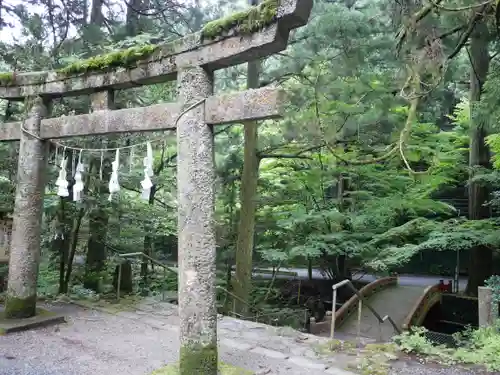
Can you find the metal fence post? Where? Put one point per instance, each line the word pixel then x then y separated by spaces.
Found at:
pixel 334 308
pixel 360 307
pixel 334 305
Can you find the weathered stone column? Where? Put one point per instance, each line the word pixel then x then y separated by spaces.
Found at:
pixel 25 245
pixel 488 309
pixel 195 184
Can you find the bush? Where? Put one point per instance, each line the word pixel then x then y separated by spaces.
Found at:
pixel 494 283
pixel 477 347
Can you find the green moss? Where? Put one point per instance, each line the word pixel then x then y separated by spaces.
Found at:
pixel 19 308
pixel 198 359
pixel 224 369
pixel 124 58
pixel 6 78
pixel 245 22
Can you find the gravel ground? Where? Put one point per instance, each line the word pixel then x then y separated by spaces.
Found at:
pixel 93 343
pixel 138 342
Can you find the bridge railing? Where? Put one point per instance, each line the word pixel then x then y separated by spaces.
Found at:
pixel 366 292
pixel 359 299
pixel 259 315
pixel 362 299
pixel 417 314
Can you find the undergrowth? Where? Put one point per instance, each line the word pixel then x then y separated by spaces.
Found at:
pixel 476 347
pixel 494 283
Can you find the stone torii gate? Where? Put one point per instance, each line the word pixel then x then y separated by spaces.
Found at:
pixel 243 37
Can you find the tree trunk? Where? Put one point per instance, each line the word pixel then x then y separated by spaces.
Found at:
pixel 309 268
pixel 96 248
pixel 242 281
pixel 136 22
pixel 61 243
pixel 96 15
pixel 99 216
pixel 77 222
pixel 481 258
pixel 148 239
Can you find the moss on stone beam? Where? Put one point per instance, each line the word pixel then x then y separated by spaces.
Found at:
pixel 20 308
pixel 117 59
pixel 7 78
pixel 198 359
pixel 245 22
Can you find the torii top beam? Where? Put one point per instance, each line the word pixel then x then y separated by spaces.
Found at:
pixel 233 46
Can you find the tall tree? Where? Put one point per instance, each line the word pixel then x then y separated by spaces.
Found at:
pixel 242 283
pixel 481 258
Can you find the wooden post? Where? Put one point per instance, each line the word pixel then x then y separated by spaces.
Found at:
pixel 196 231
pixel 488 310
pixel 28 207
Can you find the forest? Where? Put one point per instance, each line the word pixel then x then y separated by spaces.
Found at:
pixel 386 160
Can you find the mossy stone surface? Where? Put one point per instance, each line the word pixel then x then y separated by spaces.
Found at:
pixel 245 22
pixel 198 359
pixel 224 369
pixel 7 78
pixel 20 308
pixel 123 58
pixel 42 318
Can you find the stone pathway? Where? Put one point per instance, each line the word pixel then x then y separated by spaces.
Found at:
pixel 395 302
pixel 145 338
pixel 138 342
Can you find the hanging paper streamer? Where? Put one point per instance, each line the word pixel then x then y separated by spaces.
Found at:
pixel 148 173
pixel 131 161
pixel 73 164
pixel 62 183
pixel 114 186
pixel 78 187
pixel 100 167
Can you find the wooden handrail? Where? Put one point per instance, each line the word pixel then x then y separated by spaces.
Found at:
pixel 359 295
pixel 152 260
pixel 419 305
pixel 344 311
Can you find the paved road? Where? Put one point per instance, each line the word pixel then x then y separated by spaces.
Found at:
pixel 404 279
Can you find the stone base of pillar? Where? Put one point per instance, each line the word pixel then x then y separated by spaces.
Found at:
pixel 198 360
pixel 41 318
pixel 224 369
pixel 19 308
